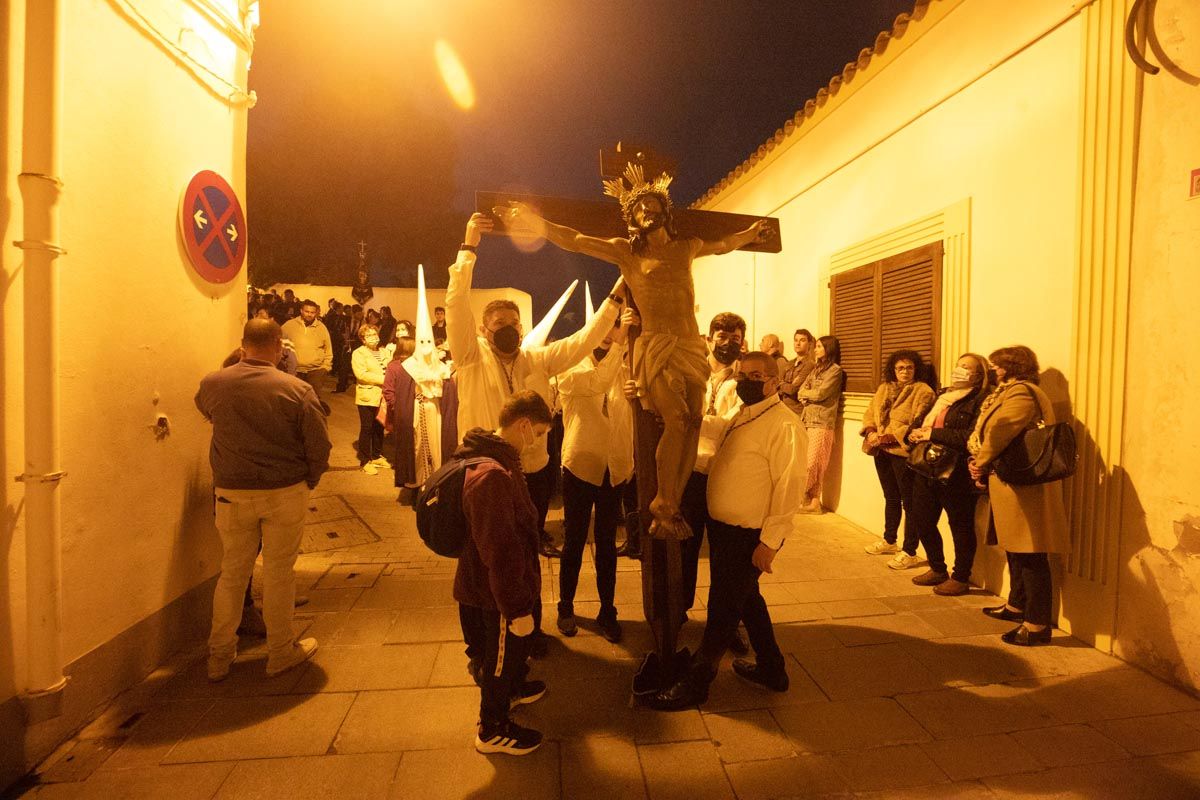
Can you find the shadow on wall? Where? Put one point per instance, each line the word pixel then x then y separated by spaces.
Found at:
pixel 1158 595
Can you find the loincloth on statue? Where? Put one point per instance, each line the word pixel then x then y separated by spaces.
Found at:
pixel 682 360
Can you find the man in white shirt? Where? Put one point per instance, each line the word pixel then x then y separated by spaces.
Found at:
pixel 597 460
pixel 491 364
pixel 726 332
pixel 761 447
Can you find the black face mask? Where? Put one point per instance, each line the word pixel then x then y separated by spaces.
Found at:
pixel 727 353
pixel 750 392
pixel 599 353
pixel 507 340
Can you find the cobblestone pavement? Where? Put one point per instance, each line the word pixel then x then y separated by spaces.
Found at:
pixel 894 693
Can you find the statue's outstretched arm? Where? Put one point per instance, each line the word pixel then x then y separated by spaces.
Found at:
pixel 727 244
pixel 523 218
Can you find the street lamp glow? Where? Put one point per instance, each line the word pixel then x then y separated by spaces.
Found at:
pixel 454 75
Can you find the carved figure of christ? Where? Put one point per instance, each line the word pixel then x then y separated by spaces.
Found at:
pixel 670 358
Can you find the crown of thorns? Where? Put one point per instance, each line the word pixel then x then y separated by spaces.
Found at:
pixel 638 187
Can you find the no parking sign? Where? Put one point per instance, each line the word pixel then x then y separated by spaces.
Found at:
pixel 213 227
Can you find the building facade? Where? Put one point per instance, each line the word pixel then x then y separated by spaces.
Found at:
pixel 990 174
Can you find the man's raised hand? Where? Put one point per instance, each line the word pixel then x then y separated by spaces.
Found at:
pixel 519 218
pixel 477 225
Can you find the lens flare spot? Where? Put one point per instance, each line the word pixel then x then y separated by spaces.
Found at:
pixel 454 75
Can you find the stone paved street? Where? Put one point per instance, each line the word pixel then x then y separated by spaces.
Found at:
pixel 894 693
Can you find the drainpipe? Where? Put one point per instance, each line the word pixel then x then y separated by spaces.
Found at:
pixel 40 188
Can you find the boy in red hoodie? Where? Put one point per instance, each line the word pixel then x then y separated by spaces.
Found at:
pixel 498 577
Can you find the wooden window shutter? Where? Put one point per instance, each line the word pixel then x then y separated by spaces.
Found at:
pixel 854 319
pixel 885 306
pixel 910 293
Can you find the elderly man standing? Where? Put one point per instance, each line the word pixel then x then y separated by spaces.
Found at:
pixel 314 347
pixel 269 447
pixel 760 447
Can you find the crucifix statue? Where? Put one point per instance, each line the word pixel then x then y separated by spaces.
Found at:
pixel 654 252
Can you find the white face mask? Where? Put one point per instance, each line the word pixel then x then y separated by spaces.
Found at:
pixel 962 377
pixel 371 341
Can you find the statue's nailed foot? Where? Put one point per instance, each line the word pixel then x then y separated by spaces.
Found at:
pixel 668 522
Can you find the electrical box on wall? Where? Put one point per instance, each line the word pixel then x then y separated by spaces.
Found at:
pixel 1194 189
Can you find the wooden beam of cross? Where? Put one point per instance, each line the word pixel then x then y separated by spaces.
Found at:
pixel 603 218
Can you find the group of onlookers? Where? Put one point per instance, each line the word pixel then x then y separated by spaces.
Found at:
pixel 499 407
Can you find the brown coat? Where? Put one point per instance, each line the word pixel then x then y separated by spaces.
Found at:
pixel 905 412
pixel 1023 519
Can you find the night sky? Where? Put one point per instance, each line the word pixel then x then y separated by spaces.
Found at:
pixel 355 135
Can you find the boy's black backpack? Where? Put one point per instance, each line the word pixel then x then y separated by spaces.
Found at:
pixel 440 518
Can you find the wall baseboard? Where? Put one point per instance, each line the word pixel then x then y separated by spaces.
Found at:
pixel 99 676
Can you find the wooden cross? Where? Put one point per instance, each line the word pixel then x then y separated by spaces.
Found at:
pixel 662 580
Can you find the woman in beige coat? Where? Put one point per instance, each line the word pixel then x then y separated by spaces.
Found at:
pixel 1028 521
pixel 899 403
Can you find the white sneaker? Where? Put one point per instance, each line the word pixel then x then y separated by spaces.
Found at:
pixel 370 468
pixel 301 651
pixel 904 561
pixel 880 548
pixel 381 462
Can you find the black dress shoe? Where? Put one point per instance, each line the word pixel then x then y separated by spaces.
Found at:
pixel 1023 637
pixel 1004 613
pixel 738 645
pixel 776 681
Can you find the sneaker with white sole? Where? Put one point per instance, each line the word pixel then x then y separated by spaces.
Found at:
pixel 528 692
pixel 904 561
pixel 881 548
pixel 370 468
pixel 509 738
pixel 381 462
pixel 301 651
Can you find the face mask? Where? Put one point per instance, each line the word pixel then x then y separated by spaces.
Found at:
pixel 750 392
pixel 727 353
pixel 371 341
pixel 599 353
pixel 961 378
pixel 507 340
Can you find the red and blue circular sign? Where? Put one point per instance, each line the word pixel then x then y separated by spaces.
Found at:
pixel 213 227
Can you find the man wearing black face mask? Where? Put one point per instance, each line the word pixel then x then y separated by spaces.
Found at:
pixel 491 365
pixel 760 447
pixel 726 333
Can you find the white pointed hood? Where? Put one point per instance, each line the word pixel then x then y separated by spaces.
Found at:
pixel 589 310
pixel 540 332
pixel 425 365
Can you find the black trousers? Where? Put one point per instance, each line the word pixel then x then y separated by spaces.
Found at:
pixel 504 667
pixel 541 487
pixel 694 507
pixel 1031 591
pixel 734 597
pixel 929 499
pixel 579 498
pixel 896 479
pixel 370 434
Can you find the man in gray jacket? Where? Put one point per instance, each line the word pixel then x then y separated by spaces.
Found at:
pixel 269 447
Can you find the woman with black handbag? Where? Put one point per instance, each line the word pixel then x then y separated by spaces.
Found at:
pixel 1029 520
pixel 942 481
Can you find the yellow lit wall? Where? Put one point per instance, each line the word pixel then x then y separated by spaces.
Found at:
pixel 138 331
pixel 981 109
pixel 1003 139
pixel 1158 621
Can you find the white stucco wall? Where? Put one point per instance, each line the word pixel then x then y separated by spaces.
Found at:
pixel 138 327
pixel 1158 620
pixel 937 126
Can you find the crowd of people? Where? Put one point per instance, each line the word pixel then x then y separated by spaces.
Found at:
pixel 463 387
